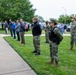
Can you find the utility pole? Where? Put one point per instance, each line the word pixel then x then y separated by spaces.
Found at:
pixel 64 14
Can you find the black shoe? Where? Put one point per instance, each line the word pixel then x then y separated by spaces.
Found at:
pixel 14 38
pixel 37 54
pixel 75 44
pixel 46 42
pixel 18 40
pixel 34 52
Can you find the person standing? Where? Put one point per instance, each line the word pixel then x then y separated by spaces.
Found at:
pixel 13 29
pixel 22 32
pixel 36 31
pixel 55 38
pixel 73 33
pixel 17 28
pixel 65 27
pixel 61 27
pixel 46 32
pixel 6 27
pixel 2 25
pixel 10 27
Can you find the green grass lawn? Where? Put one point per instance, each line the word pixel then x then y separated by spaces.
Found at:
pixel 67 59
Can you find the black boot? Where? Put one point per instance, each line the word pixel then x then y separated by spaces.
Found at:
pixel 46 42
pixel 51 62
pixel 38 53
pixel 34 51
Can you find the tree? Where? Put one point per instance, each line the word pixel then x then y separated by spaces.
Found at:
pixel 41 19
pixel 63 19
pixel 68 19
pixel 16 9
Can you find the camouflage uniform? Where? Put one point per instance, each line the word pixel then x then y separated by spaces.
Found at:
pixel 54 46
pixel 36 42
pixel 46 33
pixel 73 34
pixel 54 51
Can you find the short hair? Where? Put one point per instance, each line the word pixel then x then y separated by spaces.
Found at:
pixel 46 22
pixel 35 18
pixel 21 19
pixel 73 17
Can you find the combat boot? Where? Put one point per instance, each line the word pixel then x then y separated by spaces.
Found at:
pixel 56 64
pixel 51 62
pixel 75 44
pixel 70 48
pixel 38 53
pixel 46 42
pixel 34 51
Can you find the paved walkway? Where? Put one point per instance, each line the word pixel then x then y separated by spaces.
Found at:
pixel 31 35
pixel 11 63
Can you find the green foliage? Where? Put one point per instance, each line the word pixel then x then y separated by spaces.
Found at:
pixel 16 9
pixel 64 19
pixel 67 59
pixel 41 19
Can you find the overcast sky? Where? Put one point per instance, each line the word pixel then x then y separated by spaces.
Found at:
pixel 53 8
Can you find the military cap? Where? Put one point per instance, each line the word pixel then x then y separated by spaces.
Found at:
pixel 53 21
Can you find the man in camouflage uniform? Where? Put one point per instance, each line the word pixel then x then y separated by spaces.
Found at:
pixel 55 38
pixel 46 32
pixel 73 32
pixel 36 31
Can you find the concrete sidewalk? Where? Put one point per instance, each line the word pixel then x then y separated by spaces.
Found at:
pixel 31 35
pixel 11 63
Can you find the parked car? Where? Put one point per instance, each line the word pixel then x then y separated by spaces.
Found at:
pixel 68 28
pixel 43 25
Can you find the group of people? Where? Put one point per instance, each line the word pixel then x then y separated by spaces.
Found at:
pixel 16 28
pixel 54 38
pixel 19 29
pixel 52 34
